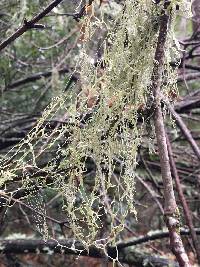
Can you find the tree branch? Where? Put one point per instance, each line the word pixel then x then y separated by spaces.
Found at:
pixel 183 201
pixel 37 76
pixel 29 24
pixel 189 77
pixel 184 130
pixel 190 101
pixel 153 236
pixel 125 255
pixel 170 208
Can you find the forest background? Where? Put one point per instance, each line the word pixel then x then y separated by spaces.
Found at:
pixel 46 72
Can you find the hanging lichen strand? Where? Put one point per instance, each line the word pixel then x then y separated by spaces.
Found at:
pixel 97 136
pixel 109 100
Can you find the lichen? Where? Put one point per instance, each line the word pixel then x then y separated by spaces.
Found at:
pixel 99 125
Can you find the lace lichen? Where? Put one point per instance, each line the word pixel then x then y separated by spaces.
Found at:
pixel 98 128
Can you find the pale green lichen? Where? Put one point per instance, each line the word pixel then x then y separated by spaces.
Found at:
pixel 100 124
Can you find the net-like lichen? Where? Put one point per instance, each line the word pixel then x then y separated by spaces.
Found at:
pixel 99 129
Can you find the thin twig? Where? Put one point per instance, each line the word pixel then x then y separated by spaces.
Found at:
pixel 37 76
pixel 27 25
pixel 3 194
pixel 31 24
pixel 183 201
pixel 186 132
pixel 152 193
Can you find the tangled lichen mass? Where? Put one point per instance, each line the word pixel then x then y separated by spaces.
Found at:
pixel 98 130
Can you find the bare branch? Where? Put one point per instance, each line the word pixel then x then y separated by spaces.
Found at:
pixel 29 24
pixel 170 208
pixel 185 131
pixel 183 201
pixel 37 76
